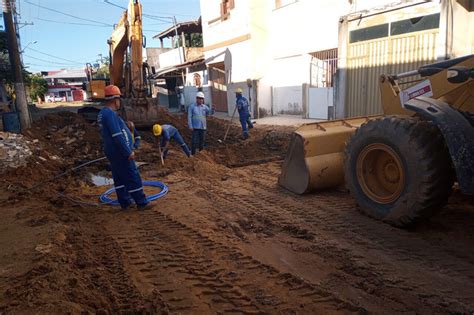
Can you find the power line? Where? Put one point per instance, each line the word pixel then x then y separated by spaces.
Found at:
pixel 72 23
pixel 38 65
pixel 49 61
pixel 66 14
pixel 150 16
pixel 49 55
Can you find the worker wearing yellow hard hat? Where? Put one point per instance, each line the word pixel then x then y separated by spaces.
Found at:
pixel 243 107
pixel 167 133
pixel 118 148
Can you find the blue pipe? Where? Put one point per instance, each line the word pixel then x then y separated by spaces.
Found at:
pixel 104 198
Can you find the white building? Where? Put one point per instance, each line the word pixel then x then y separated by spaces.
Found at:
pixel 285 52
pixel 267 47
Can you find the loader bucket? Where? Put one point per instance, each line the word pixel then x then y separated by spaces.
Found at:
pixel 315 156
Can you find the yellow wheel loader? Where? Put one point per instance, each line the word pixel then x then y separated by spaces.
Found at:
pixel 400 167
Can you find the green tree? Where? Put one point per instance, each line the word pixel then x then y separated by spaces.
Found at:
pixel 102 73
pixel 5 69
pixel 37 86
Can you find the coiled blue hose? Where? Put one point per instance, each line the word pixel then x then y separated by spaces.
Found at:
pixel 164 190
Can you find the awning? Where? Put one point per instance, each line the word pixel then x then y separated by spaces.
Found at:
pixel 189 27
pixel 165 70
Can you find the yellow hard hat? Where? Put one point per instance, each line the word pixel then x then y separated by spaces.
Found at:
pixel 238 90
pixel 156 130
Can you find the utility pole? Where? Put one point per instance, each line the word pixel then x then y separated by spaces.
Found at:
pixel 15 61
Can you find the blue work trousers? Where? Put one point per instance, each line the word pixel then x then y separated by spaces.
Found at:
pixel 179 140
pixel 127 182
pixel 244 121
pixel 197 140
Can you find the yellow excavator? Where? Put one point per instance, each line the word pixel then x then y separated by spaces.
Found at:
pixel 127 69
pixel 400 167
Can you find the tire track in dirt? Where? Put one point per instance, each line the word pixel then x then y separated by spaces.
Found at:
pixel 115 283
pixel 195 274
pixel 378 255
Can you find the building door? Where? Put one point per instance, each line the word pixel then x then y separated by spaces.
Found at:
pixel 218 87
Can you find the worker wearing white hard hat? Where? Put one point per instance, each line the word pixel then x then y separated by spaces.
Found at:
pixel 197 113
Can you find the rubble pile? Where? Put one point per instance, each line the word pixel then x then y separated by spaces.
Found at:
pixel 68 136
pixel 14 150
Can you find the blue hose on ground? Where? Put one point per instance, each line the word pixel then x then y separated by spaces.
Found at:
pixel 164 190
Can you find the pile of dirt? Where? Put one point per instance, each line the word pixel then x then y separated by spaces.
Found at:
pixel 266 143
pixel 58 142
pixel 63 140
pixel 68 136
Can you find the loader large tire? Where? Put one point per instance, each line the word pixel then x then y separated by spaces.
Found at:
pixel 398 169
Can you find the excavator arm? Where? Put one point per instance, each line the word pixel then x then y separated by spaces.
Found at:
pixel 126 67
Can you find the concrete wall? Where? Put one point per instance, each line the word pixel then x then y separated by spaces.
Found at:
pixel 152 56
pixel 463 31
pixel 270 45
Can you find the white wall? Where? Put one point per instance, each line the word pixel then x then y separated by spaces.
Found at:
pixel 284 76
pixel 280 40
pixel 305 26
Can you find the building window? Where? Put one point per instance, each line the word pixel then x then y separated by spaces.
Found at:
pixel 282 3
pixel 368 33
pixel 417 24
pixel 226 6
pixel 197 80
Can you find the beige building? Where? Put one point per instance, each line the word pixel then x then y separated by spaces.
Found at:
pixel 396 38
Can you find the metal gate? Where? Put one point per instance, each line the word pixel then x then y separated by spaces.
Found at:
pixel 390 53
pixel 218 88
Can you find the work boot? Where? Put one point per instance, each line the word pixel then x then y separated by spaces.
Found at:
pixel 148 206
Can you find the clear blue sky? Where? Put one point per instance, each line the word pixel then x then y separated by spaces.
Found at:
pixel 77 41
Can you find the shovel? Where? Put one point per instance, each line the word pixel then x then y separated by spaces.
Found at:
pixel 228 126
pixel 161 155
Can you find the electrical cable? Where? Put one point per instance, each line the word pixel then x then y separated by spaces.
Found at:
pixel 164 190
pixel 66 14
pixel 53 62
pixel 66 172
pixel 39 52
pixel 72 23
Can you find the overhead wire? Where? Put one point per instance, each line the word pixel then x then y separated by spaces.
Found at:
pixel 49 55
pixel 64 13
pixel 52 62
pixel 73 23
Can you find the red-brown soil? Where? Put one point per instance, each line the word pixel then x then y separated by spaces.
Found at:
pixel 226 238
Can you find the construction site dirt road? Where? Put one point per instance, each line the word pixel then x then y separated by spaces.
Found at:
pixel 225 239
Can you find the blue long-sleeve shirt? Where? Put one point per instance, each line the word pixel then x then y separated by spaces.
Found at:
pixel 116 136
pixel 197 116
pixel 242 106
pixel 167 133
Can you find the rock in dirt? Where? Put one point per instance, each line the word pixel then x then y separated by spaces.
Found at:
pixel 14 150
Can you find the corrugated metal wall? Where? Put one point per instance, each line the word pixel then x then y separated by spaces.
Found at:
pixel 367 60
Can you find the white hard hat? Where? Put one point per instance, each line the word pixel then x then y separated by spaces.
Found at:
pixel 200 95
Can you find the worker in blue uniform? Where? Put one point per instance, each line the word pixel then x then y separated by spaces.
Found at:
pixel 244 113
pixel 197 113
pixel 136 138
pixel 167 133
pixel 118 148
